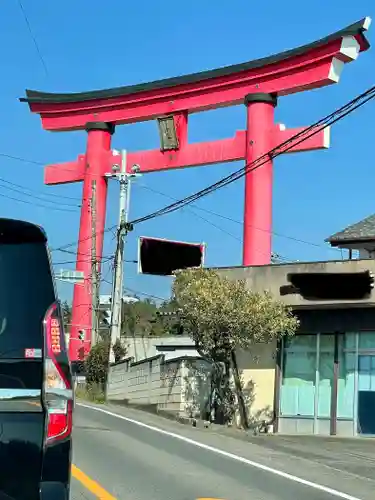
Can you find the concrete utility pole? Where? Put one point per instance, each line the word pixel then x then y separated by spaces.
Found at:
pixel 123 227
pixel 94 270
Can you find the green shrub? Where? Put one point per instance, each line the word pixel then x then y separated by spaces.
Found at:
pixel 97 365
pixel 93 393
pixel 119 351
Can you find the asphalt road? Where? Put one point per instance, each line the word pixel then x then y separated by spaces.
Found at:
pixel 127 458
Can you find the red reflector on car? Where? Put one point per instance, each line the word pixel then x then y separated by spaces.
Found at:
pixel 57 424
pixel 57 382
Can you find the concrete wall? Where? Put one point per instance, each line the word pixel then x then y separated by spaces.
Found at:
pixel 272 277
pixel 257 368
pixel 196 387
pixel 184 384
pixel 179 386
pixel 170 395
pixel 136 382
pixel 117 385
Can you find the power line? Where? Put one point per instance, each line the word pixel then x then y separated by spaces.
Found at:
pixel 109 273
pixel 69 262
pixel 21 159
pixel 36 204
pixel 334 117
pixel 321 124
pixel 103 261
pixel 72 252
pixel 83 316
pixel 16 190
pixel 39 163
pixel 136 292
pixel 192 211
pixel 285 146
pixel 26 188
pixel 230 219
pixel 33 37
pixel 63 248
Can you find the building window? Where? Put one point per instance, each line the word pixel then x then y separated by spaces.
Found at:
pixel 347 374
pixel 308 363
pixel 299 376
pixel 325 374
pixel 367 341
pixel 308 374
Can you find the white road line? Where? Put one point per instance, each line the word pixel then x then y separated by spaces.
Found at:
pixel 276 472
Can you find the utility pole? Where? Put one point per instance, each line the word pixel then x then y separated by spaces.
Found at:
pixel 123 227
pixel 94 270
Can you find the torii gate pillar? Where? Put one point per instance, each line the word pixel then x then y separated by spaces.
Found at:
pixel 257 231
pixel 98 149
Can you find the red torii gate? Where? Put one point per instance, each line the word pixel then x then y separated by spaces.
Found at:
pixel 257 83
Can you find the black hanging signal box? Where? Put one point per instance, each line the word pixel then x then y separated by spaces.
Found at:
pixel 162 257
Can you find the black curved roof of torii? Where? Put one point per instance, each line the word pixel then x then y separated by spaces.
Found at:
pixel 34 96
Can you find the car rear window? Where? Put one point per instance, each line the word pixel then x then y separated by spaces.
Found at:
pixel 26 292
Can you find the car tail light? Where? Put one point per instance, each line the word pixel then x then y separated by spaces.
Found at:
pixel 58 392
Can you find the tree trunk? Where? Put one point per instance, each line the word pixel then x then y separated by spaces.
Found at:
pixel 239 392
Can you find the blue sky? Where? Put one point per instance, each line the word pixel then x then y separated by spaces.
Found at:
pixel 90 44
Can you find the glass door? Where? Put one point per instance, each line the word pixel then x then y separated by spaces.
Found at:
pixel 366 394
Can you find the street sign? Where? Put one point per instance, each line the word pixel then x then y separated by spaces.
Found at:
pixel 70 276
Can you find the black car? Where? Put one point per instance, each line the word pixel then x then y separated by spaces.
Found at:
pixel 36 390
